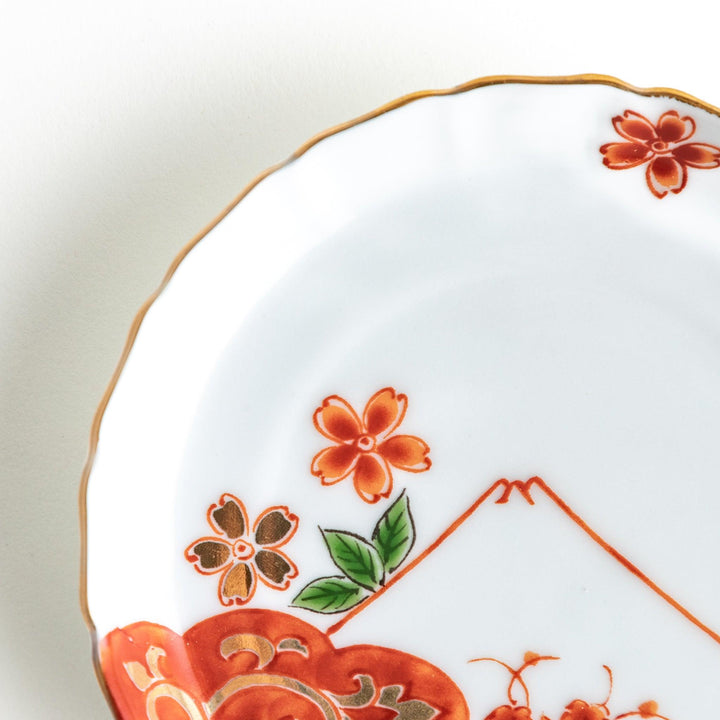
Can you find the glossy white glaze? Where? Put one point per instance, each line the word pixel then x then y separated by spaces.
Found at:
pixel 545 315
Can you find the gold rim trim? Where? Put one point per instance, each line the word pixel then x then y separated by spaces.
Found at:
pixel 584 79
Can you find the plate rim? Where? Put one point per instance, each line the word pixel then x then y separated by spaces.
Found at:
pixel 131 336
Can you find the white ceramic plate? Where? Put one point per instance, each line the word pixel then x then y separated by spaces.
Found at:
pixel 446 387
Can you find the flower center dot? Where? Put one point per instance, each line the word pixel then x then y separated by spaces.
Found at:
pixel 365 443
pixel 659 146
pixel 243 550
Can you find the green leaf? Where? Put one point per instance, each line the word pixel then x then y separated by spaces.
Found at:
pixel 330 595
pixel 394 535
pixel 356 557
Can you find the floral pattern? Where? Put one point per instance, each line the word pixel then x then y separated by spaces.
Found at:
pixel 574 710
pixel 367 448
pixel 265 665
pixel 662 146
pixel 240 557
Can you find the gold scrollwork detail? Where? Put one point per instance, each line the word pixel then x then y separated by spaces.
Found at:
pixel 182 698
pixel 245 642
pixel 362 697
pixel 407 709
pixel 149 679
pixel 242 682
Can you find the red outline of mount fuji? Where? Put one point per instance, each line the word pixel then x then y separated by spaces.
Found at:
pixel 524 488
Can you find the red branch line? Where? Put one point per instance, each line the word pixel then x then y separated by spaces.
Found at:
pixel 524 489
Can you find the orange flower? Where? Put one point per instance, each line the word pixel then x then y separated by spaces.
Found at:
pixel 581 710
pixel 510 712
pixel 662 147
pixel 366 448
pixel 231 551
pixel 648 709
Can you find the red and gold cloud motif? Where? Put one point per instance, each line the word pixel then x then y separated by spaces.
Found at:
pixel 267 665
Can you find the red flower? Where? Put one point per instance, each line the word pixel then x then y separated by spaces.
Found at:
pixel 648 709
pixel 366 448
pixel 241 561
pixel 662 147
pixel 581 710
pixel 510 712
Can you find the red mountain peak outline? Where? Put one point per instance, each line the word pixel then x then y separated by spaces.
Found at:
pixel 524 489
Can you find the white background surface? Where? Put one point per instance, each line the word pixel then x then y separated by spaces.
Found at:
pixel 126 128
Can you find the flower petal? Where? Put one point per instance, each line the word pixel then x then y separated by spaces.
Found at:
pixel 208 554
pixel 406 452
pixel 384 412
pixel 275 569
pixel 372 478
pixel 619 156
pixel 336 420
pixel 672 128
pixel 666 174
pixel 698 155
pixel 275 526
pixel 633 126
pixel 334 463
pixel 228 517
pixel 237 585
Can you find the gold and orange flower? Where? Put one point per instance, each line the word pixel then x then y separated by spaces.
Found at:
pixel 366 448
pixel 241 558
pixel 662 146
